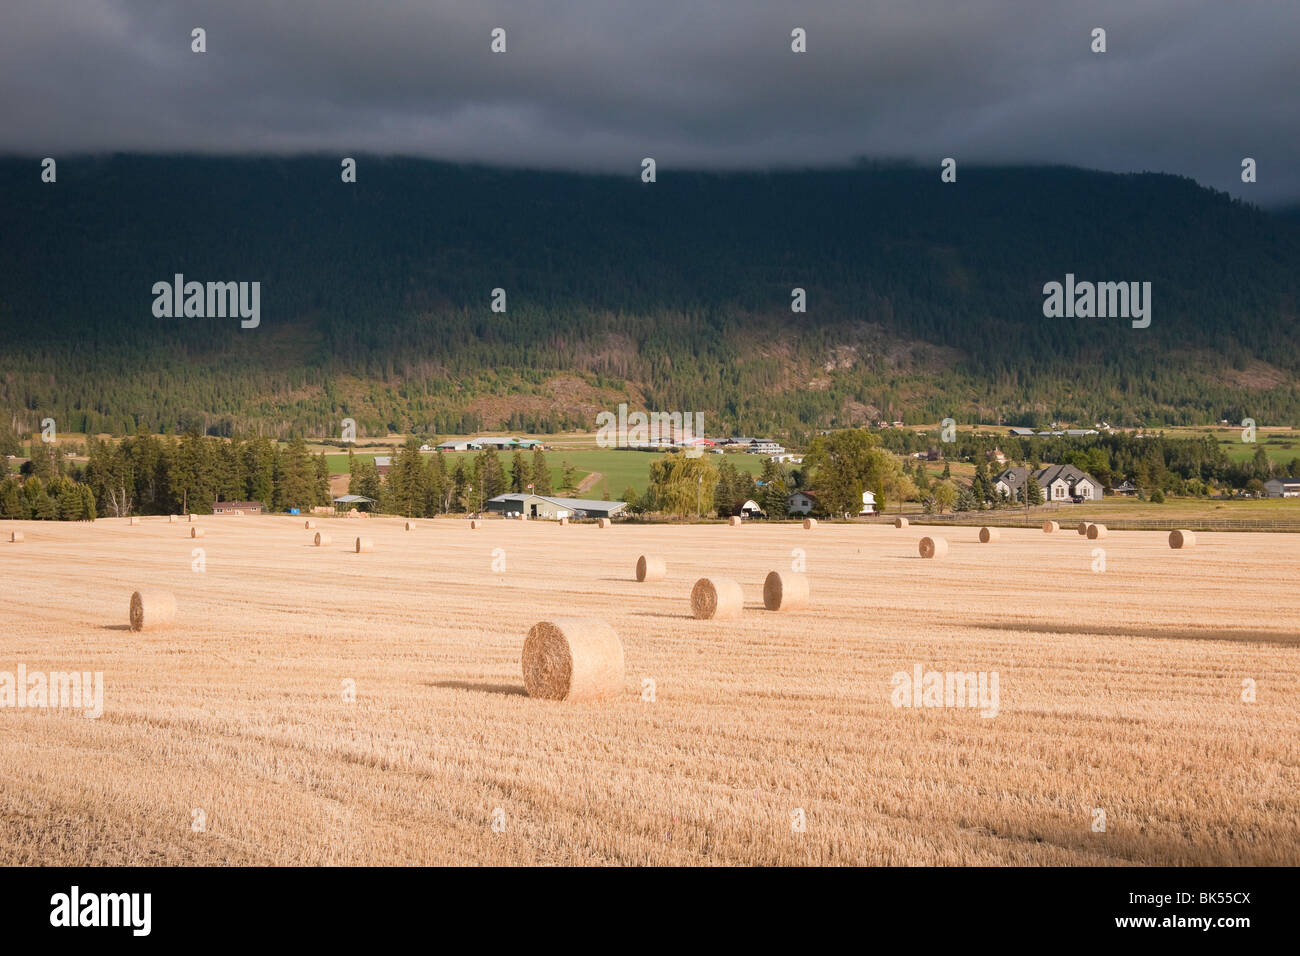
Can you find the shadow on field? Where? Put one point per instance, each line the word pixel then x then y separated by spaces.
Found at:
pixel 115 627
pixel 670 617
pixel 485 688
pixel 1279 638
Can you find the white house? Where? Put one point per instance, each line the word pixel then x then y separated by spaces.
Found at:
pixel 868 503
pixel 800 503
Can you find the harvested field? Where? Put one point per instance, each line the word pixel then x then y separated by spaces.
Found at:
pixel 1119 690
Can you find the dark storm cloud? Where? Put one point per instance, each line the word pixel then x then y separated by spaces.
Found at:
pixel 1187 86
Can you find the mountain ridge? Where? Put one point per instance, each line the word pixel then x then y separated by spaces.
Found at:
pixel 924 299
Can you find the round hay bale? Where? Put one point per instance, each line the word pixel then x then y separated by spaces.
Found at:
pixel 133 520
pixel 651 568
pixel 152 609
pixel 1051 527
pixel 574 659
pixel 410 526
pixel 785 591
pixel 989 535
pixel 194 517
pixel 564 522
pixel 473 525
pixel 172 519
pixel 809 523
pixel 900 522
pixel 1096 531
pixel 196 532
pixel 734 521
pixel 604 523
pixel 1181 539
pixel 309 524
pixel 1083 528
pixel 935 547
pixel 364 546
pixel 321 540
pixel 716 599
pixel 15 537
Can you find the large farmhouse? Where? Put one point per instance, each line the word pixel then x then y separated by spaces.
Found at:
pixel 540 506
pixel 1058 483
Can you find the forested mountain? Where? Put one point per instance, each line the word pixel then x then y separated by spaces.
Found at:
pixel 924 299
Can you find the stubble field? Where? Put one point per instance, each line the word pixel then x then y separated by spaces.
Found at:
pixel 1119 691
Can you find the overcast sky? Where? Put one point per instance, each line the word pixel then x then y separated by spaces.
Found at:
pixel 1187 86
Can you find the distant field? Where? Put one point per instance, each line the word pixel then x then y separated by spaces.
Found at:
pixel 1281 445
pixel 619 468
pixel 1119 691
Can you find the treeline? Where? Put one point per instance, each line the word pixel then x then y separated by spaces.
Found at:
pixel 924 299
pixel 148 474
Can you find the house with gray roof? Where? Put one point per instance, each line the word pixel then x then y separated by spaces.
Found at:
pixel 1058 483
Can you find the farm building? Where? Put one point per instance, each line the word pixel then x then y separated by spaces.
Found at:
pixel 461 445
pixel 1058 482
pixel 868 503
pixel 237 507
pixel 1282 488
pixel 750 509
pixel 383 463
pixel 553 509
pixel 347 502
pixel 507 444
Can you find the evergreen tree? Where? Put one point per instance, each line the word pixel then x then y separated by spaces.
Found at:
pixel 39 504
pixel 541 474
pixel 965 499
pixel 775 490
pixel 1033 491
pixel 11 499
pixel 364 481
pixel 459 488
pixel 520 475
pixel 296 482
pixel 438 484
pixel 491 475
pixel 87 503
pixel 259 471
pixel 407 491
